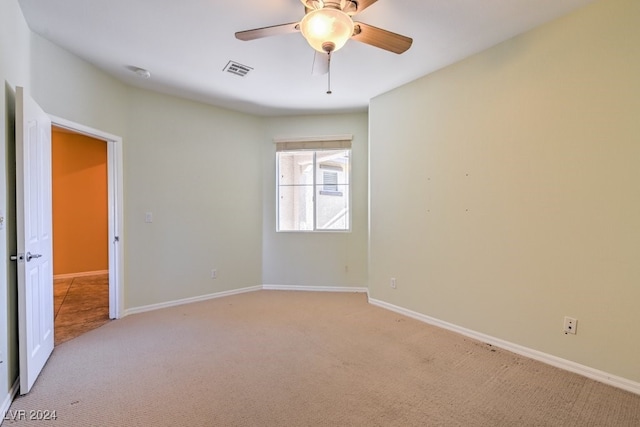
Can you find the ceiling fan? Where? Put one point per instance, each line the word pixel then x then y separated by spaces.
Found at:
pixel 327 25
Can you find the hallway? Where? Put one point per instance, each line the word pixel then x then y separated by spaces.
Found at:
pixel 80 305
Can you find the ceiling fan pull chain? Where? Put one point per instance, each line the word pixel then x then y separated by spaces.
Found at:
pixel 329 74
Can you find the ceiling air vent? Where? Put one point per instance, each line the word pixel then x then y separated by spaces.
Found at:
pixel 237 69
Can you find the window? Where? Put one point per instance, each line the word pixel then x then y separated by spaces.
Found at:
pixel 313 187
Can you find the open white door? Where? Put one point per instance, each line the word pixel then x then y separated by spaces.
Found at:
pixel 35 264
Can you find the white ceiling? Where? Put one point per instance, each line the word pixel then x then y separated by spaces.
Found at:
pixel 186 44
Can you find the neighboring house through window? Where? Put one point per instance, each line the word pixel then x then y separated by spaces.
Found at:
pixel 330 180
pixel 313 179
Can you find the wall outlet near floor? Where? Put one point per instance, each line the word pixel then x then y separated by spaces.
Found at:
pixel 392 283
pixel 570 325
pixel 214 273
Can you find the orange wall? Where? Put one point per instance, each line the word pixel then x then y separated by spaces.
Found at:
pixel 80 206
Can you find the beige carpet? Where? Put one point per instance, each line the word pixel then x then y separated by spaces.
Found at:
pixel 272 358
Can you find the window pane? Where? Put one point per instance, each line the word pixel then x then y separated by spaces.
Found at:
pixel 295 208
pixel 295 190
pixel 295 167
pixel 333 208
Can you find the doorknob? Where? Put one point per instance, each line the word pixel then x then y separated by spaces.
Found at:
pixel 29 255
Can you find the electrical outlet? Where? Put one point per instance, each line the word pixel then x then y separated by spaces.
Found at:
pixel 214 274
pixel 570 325
pixel 393 283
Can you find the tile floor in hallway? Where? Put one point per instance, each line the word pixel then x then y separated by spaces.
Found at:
pixel 80 305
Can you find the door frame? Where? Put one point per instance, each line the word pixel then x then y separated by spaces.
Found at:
pixel 115 206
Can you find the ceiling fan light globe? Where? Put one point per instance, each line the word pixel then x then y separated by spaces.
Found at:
pixel 326 25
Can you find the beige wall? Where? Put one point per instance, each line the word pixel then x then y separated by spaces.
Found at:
pixel 68 87
pixel 198 170
pixel 316 259
pixel 504 190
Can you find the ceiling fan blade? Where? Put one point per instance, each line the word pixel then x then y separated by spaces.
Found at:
pixel 320 64
pixel 383 39
pixel 274 30
pixel 363 4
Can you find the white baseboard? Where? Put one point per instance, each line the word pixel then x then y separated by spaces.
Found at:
pixel 6 404
pixel 151 307
pixel 567 365
pixel 80 274
pixel 315 288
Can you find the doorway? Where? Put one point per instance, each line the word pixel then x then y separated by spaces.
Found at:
pixel 80 233
pixel 101 275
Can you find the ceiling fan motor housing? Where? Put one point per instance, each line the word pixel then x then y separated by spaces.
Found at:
pixel 348 6
pixel 312 4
